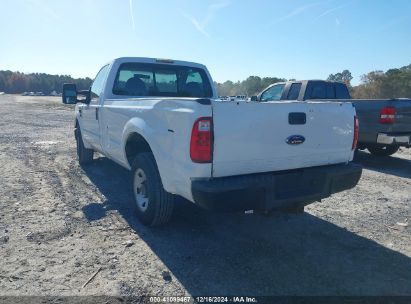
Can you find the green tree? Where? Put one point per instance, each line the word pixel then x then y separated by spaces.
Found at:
pixel 250 86
pixel 345 76
pixel 394 83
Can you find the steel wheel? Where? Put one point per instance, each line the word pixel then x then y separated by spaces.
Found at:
pixel 140 190
pixel 154 204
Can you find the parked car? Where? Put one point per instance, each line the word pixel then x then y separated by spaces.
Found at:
pixel 161 120
pixel 385 124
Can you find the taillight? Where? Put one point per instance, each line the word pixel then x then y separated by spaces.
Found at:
pixel 356 130
pixel 387 115
pixel 201 144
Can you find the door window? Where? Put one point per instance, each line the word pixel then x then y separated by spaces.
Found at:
pixel 273 93
pixel 97 86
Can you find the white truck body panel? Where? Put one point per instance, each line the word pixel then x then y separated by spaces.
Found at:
pixel 251 137
pixel 248 137
pixel 166 125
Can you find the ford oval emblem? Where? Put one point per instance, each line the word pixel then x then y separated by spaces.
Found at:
pixel 295 139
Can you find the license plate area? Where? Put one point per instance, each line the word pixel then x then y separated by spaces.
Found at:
pixel 299 183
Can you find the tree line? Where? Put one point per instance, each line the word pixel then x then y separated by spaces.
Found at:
pixel 394 83
pixel 17 82
pixel 249 87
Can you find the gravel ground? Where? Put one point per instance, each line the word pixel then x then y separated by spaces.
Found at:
pixel 60 224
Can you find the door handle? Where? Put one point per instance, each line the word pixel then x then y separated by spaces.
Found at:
pixel 297 118
pixel 97 113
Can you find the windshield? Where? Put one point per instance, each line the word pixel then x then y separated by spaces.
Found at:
pixel 136 79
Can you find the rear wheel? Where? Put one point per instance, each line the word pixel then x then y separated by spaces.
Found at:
pixel 154 204
pixel 84 155
pixel 381 150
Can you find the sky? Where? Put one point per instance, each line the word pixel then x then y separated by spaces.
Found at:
pixel 234 38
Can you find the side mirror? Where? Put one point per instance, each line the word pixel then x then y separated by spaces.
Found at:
pixel 254 98
pixel 69 95
pixel 86 95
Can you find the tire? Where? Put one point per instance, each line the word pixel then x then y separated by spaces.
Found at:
pixel 381 150
pixel 154 204
pixel 84 155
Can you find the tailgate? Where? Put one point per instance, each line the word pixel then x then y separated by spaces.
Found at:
pixel 368 112
pixel 402 121
pixel 263 137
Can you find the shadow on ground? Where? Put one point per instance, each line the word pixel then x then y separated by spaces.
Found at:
pixel 390 164
pixel 215 254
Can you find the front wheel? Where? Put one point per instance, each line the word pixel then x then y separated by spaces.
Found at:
pixel 381 150
pixel 154 204
pixel 84 155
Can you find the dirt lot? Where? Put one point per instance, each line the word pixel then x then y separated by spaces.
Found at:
pixel 60 223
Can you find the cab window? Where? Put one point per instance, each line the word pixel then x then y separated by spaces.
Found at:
pixel 139 79
pixel 273 93
pixel 341 91
pixel 294 91
pixel 318 90
pixel 97 86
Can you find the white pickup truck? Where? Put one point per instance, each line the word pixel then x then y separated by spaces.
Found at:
pixel 162 120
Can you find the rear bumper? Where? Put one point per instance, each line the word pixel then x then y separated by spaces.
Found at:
pixel 274 190
pixel 394 139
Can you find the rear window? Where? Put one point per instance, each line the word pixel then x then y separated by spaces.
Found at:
pixel 294 91
pixel 137 79
pixel 318 90
pixel 341 91
pixel 327 90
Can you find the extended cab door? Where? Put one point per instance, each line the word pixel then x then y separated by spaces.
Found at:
pixel 89 114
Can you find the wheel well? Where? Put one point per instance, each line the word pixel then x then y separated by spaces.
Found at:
pixel 135 144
